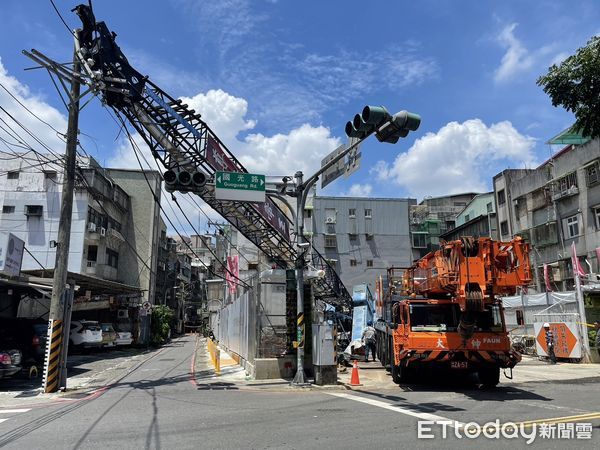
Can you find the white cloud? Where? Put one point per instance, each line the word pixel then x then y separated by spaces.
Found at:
pixel 36 127
pixel 284 154
pixel 517 58
pixel 360 190
pixel 460 157
pixel 280 154
pixel 224 113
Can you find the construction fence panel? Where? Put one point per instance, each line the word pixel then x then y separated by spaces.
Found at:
pixel 534 304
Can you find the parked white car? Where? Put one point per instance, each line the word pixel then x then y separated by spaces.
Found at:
pixel 85 333
pixel 124 338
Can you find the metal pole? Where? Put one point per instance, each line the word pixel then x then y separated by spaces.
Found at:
pixel 68 308
pixel 585 341
pixel 299 379
pixel 58 332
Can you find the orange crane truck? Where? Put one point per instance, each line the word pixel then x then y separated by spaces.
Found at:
pixel 444 312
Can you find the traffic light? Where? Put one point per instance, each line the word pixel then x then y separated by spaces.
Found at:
pixel 399 125
pixel 387 128
pixel 182 180
pixel 371 118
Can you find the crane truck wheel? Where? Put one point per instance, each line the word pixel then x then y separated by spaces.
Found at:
pixel 401 374
pixel 489 377
pixel 396 373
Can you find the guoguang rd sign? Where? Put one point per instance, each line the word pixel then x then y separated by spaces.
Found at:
pixel 245 187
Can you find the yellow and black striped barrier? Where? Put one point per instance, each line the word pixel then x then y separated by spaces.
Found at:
pixel 300 323
pixel 53 356
pixel 215 356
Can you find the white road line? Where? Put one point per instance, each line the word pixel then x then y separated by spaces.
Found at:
pixel 14 411
pixel 398 409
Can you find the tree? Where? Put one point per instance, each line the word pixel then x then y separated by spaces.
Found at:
pixel 575 85
pixel 160 325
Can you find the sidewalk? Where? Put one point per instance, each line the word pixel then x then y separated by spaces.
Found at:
pixel 530 370
pixel 373 375
pixel 86 373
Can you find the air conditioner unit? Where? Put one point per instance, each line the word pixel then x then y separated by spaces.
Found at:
pixel 92 227
pixel 330 220
pixel 123 314
pixel 102 231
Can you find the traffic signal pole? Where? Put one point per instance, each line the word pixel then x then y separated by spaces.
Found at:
pixel 58 332
pixel 301 193
pixel 387 128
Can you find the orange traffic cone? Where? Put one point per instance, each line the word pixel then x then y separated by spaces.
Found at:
pixel 354 381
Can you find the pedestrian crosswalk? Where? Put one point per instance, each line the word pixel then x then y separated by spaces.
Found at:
pixel 6 414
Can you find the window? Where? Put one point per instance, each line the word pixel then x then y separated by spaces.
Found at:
pixel 353 263
pixel 596 212
pixel 95 217
pixel 92 253
pixel 369 263
pixel 50 174
pixel 489 207
pixel 34 210
pixel 520 318
pixel 501 197
pixel 330 215
pixel 368 213
pixel 546 234
pixel 369 236
pixel 419 240
pixel 14 175
pixel 504 228
pixel 6 209
pixel 592 173
pixel 567 184
pixel 330 242
pixel 352 212
pixel 467 218
pixel 308 213
pixel 353 237
pixel 112 223
pixel 112 258
pixel 571 226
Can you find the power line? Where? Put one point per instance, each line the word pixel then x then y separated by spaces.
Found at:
pixel 61 18
pixel 136 150
pixel 227 238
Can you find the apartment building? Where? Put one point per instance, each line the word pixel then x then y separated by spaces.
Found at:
pixel 114 225
pixel 553 207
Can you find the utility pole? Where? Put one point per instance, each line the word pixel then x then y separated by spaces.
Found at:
pixel 58 330
pixel 299 378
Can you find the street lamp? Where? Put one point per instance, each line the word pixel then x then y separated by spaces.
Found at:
pixel 387 128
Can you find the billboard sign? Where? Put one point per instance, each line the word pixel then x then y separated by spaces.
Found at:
pixel 11 255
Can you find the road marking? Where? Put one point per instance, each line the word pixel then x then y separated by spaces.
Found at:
pixel 398 409
pixel 578 418
pixel 12 411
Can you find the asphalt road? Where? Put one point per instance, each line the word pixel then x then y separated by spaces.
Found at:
pixel 162 404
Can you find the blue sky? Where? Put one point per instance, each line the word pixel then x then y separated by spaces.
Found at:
pixel 278 79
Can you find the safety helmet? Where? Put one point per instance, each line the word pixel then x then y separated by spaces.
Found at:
pixel 546 325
